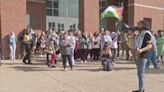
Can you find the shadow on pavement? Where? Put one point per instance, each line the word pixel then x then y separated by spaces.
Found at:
pixel 101 69
pixel 154 71
pixel 90 70
pixel 31 68
pixel 129 62
pixel 123 68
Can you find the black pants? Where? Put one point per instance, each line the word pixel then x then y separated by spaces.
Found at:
pixel 65 58
pixel 96 53
pixel 118 50
pixel 83 54
pixel 127 54
pixel 48 60
pixel 90 52
pixel 28 49
pixel 113 54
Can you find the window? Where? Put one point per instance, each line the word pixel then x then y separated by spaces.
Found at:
pixel 73 8
pixel 60 27
pixel 51 25
pixel 73 27
pixel 52 7
pixel 49 4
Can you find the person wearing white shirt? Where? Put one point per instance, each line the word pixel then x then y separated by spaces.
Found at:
pixel 114 46
pixel 72 40
pixel 105 38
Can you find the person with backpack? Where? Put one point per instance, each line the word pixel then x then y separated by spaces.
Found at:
pixel 27 40
pixel 12 45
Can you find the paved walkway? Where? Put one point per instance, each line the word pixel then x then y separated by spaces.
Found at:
pixel 87 77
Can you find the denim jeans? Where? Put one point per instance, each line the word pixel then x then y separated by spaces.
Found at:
pixel 113 54
pixel 72 55
pixel 152 58
pixel 12 51
pixel 65 58
pixel 141 63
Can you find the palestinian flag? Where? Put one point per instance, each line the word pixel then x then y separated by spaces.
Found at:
pixel 112 11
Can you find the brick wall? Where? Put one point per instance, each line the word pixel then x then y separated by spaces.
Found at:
pixel 157 16
pixel 13 18
pixel 89 15
pixel 153 9
pixel 156 3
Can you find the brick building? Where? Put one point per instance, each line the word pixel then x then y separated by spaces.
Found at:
pixel 16 15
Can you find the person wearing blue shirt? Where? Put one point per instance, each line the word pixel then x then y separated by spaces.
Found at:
pixel 12 45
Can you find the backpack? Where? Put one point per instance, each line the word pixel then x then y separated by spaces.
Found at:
pixel 27 39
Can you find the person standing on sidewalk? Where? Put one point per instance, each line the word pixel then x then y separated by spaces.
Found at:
pixel 72 41
pixel 114 46
pixel 65 49
pixel 160 46
pixel 12 45
pixel 27 40
pixel 153 54
pixel 105 38
pixel 83 47
pixel 142 46
pixel 96 46
pixel 48 39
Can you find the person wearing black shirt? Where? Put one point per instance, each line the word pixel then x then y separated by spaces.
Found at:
pixel 145 47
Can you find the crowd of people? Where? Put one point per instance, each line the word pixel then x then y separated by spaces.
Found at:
pixel 141 45
pixel 80 45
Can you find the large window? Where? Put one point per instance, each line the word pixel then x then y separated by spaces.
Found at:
pixel 73 8
pixel 73 27
pixel 63 8
pixel 52 7
pixel 62 15
pixel 60 27
pixel 51 25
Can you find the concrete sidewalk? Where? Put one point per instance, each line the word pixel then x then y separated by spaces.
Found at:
pixel 87 77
